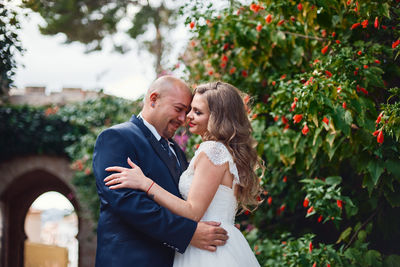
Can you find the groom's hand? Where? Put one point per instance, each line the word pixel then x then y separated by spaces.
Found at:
pixel 209 235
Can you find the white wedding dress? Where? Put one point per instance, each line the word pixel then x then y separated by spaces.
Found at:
pixel 236 252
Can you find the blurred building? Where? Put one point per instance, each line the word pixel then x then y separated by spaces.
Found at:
pixel 36 96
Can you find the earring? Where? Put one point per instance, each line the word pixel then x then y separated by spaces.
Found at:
pixel 152 104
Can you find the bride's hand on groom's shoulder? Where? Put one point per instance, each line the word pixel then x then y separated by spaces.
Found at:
pixel 127 178
pixel 209 235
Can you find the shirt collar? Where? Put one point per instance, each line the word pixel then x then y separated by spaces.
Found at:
pixel 150 127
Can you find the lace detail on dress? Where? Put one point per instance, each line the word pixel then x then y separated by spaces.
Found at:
pixel 218 155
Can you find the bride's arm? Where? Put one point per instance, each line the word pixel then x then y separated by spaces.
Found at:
pixel 207 178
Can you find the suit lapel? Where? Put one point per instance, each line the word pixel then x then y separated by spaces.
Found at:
pixel 157 148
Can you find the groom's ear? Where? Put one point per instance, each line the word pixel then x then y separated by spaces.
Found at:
pixel 153 98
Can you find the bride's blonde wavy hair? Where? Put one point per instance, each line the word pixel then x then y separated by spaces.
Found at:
pixel 229 124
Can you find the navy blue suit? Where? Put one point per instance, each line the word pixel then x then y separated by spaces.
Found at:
pixel 134 230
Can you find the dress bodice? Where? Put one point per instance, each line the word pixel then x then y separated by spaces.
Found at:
pixel 223 207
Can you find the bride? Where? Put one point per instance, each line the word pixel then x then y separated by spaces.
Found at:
pixel 220 177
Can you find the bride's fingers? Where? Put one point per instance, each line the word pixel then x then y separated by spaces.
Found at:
pixel 116 186
pixel 114 181
pixel 130 162
pixel 112 176
pixel 115 169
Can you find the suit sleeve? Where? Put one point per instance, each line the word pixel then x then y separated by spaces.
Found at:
pixel 133 206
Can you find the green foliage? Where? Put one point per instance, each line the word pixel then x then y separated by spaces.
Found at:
pixel 70 130
pixel 322 79
pixel 9 46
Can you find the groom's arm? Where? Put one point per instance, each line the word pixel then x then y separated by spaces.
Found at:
pixel 132 206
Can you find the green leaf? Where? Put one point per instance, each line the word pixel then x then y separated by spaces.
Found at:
pixel 333 180
pixel 375 168
pixel 392 261
pixel 373 258
pixel 393 167
pixel 344 235
pixel 393 198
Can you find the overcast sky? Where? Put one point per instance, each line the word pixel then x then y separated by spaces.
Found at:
pixel 50 63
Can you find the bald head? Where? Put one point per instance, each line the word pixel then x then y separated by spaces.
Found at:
pixel 166 104
pixel 164 85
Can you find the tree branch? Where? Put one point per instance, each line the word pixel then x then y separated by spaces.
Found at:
pixel 361 227
pixel 304 36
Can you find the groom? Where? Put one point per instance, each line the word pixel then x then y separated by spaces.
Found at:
pixel 133 230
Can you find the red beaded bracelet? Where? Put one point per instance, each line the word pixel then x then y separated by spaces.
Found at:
pixel 149 187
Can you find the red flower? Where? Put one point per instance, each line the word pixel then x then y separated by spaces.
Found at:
pixel 337 41
pixel 384 27
pixel 283 76
pixel 192 24
pixel 323 32
pixel 305 130
pixel 311 209
pixel 355 25
pixel 378 120
pixel 299 6
pixel 232 70
pixel 259 27
pixel 226 46
pixel 376 133
pixel 276 118
pixel 292 18
pixel 339 89
pixel 326 120
pixel 224 58
pixel 284 179
pixel 310 247
pixel 254 116
pixel 364 23
pixel 273 83
pixel 333 34
pixel 284 120
pixel 359 53
pixel 255 8
pixel 376 23
pixel 296 99
pixel 281 22
pixel 223 65
pixel 377 61
pixel 365 66
pixel 269 201
pixel 293 106
pixel 246 212
pixel 268 19
pixel 328 265
pixel 319 218
pixel 286 127
pixel 348 2
pixel 244 73
pixel 339 203
pixel 306 202
pixel 210 72
pixel 325 49
pixel 297 118
pixel 282 208
pixel 344 105
pixel 395 44
pixel 364 90
pixel 315 264
pixel 380 137
pixel 328 73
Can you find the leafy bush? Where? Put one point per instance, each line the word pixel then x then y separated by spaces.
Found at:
pixel 322 76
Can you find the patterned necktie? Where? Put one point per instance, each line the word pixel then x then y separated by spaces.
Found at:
pixel 171 155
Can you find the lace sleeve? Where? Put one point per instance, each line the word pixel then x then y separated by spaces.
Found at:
pixel 218 155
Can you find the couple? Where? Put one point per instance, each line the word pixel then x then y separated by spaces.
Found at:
pixel 141 175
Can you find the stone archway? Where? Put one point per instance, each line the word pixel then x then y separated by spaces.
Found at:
pixel 23 179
